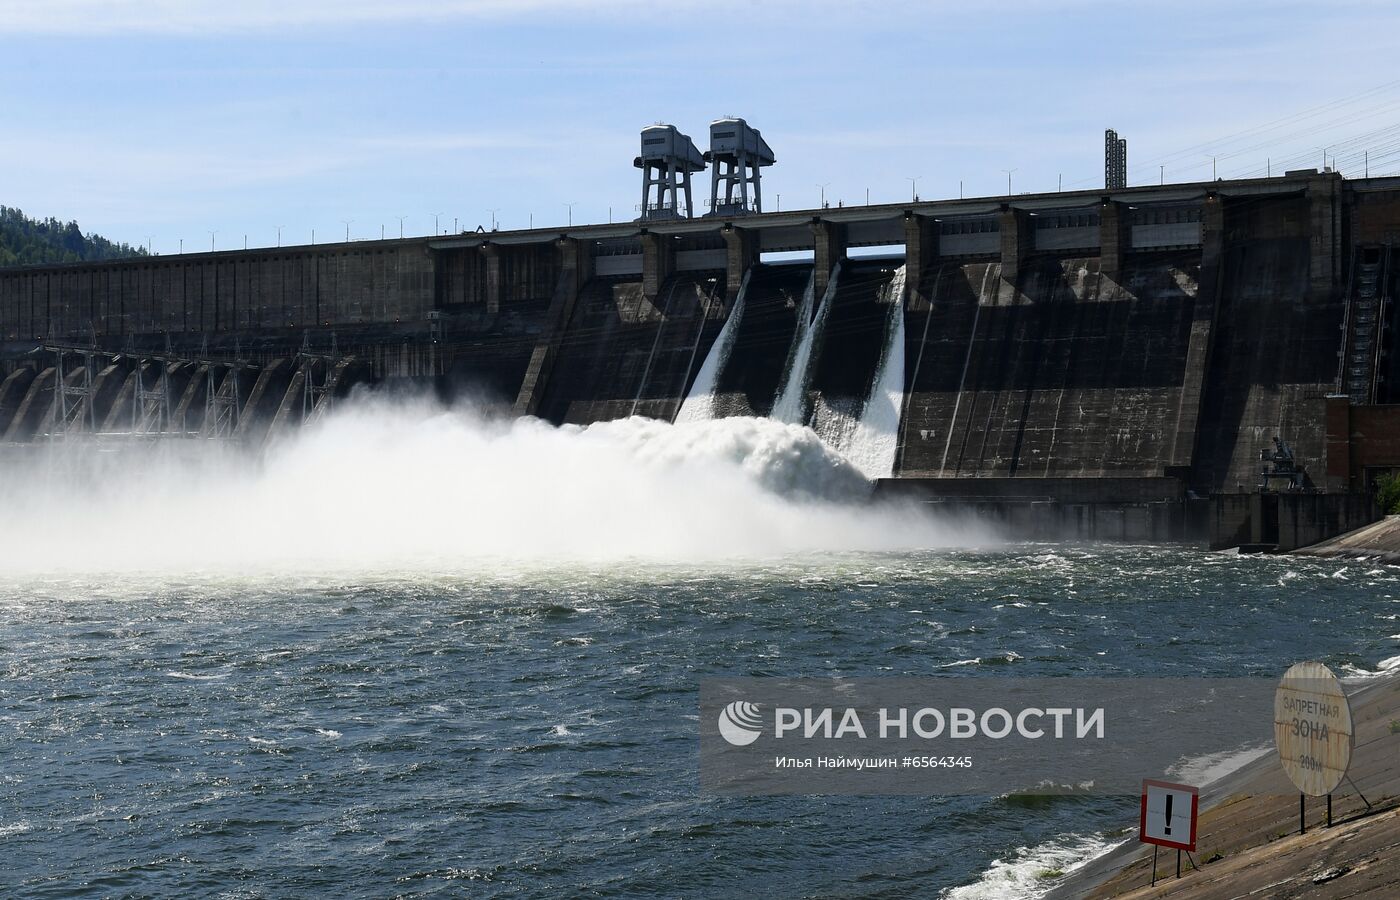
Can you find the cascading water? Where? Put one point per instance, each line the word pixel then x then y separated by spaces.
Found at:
pixel 865 430
pixel 699 405
pixel 874 443
pixel 791 404
pixel 867 435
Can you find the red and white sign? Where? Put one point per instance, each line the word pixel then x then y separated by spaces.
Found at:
pixel 1169 814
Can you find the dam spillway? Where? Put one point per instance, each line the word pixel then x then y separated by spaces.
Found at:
pixel 1109 363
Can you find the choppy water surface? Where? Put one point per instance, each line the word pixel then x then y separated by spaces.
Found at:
pixel 536 735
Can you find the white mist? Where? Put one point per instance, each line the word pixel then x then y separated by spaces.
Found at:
pixel 383 485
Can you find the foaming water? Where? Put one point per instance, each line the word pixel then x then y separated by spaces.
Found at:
pixel 1033 871
pixel 1352 673
pixel 414 486
pixel 1205 769
pixel 864 430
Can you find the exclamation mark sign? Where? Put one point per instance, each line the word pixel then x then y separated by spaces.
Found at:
pixel 1168 828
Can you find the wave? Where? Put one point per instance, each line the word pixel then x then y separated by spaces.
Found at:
pixel 1352 674
pixel 1001 659
pixel 1033 871
pixel 1211 767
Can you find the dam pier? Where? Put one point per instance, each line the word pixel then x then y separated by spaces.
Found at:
pixel 1203 362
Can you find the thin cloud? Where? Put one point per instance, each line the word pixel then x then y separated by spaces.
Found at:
pixel 436 143
pixel 99 17
pixel 195 17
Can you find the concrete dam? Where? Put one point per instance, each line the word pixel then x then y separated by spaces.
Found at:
pixel 1110 364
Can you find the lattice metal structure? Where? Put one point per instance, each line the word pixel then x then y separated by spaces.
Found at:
pixel 152 386
pixel 318 382
pixel 73 409
pixel 223 404
pixel 315 389
pixel 1115 160
pixel 151 410
pixel 667 160
pixel 739 154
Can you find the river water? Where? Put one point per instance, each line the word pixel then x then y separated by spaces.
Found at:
pixel 479 704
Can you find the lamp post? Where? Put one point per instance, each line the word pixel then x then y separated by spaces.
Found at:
pixel 211 240
pixel 1008 180
pixel 913 186
pixel 347 229
pixel 401 218
pixel 822 188
pixel 571 211
pixel 493 217
pixel 279 235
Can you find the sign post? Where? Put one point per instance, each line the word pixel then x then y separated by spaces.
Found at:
pixel 1313 732
pixel 1168 819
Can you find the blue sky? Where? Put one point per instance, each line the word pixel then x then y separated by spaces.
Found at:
pixel 171 118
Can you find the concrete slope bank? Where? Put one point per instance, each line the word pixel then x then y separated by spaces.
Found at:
pixel 1248 843
pixel 1379 541
pixel 1353 859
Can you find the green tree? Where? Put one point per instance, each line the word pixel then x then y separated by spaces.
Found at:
pixel 1388 493
pixel 25 241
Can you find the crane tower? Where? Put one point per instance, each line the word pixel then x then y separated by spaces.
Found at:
pixel 667 160
pixel 739 154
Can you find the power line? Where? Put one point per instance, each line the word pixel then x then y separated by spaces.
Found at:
pixel 1223 150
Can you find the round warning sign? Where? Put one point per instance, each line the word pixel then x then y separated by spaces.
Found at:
pixel 1312 728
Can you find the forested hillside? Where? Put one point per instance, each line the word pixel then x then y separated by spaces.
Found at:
pixel 24 240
